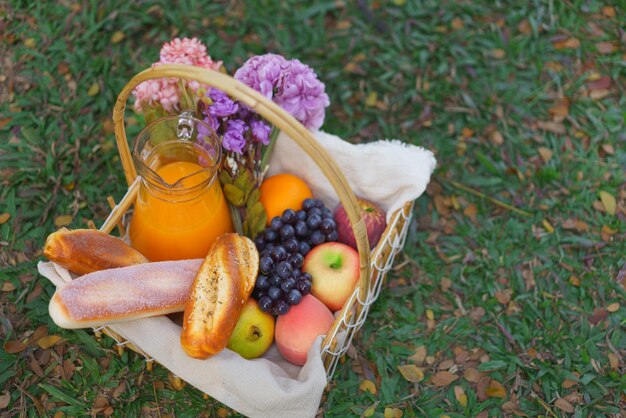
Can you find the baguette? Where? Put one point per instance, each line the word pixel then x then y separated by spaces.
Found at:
pixel 123 294
pixel 83 251
pixel 220 289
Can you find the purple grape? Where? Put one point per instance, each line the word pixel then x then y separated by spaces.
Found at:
pixel 317 238
pixel 333 236
pixel 284 269
pixel 293 297
pixel 301 215
pixel 265 304
pixel 281 307
pixel 289 216
pixel 259 241
pixel 328 225
pixel 308 203
pixel 301 229
pixel 275 293
pixel 304 286
pixel 270 235
pixel 304 248
pixel 314 221
pixel 292 245
pixel 276 223
pixel 275 280
pixel 286 232
pixel 296 274
pixel 296 260
pixel 257 293
pixel 306 276
pixel 279 253
pixel 262 282
pixel 266 265
pixel 327 213
pixel 314 212
pixel 288 284
pixel 319 203
pixel 269 246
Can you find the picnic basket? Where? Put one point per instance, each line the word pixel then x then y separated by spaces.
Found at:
pixel 374 263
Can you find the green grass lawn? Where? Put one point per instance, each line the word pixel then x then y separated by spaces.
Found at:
pixel 509 297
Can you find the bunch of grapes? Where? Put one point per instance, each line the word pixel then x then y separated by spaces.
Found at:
pixel 282 247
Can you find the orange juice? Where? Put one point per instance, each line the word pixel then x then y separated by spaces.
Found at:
pixel 179 226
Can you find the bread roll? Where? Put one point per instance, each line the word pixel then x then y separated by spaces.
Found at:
pixel 123 294
pixel 83 251
pixel 221 288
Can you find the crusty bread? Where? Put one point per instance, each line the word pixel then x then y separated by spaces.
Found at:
pixel 83 251
pixel 221 288
pixel 123 294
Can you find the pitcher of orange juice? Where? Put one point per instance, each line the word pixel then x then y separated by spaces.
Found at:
pixel 180 208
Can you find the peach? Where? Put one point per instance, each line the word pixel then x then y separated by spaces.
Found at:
pixel 335 270
pixel 298 328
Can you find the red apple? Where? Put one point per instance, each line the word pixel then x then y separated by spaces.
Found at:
pixel 373 216
pixel 298 328
pixel 334 268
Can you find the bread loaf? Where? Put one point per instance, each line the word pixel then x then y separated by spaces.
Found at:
pixel 83 251
pixel 123 294
pixel 220 289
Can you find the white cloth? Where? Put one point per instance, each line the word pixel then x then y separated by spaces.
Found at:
pixel 389 173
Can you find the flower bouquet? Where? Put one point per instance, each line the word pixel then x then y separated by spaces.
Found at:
pixel 247 140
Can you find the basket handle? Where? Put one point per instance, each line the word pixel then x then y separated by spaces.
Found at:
pixel 274 114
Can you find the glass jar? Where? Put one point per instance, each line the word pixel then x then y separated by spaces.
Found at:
pixel 180 208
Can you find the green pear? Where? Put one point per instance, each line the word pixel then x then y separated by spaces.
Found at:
pixel 254 332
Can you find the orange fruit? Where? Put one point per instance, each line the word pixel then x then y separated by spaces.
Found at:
pixel 283 191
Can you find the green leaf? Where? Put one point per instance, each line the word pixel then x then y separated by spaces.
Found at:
pixel 62 396
pixel 225 177
pixel 492 365
pixel 234 195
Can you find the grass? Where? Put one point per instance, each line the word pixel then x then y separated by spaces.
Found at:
pixel 523 102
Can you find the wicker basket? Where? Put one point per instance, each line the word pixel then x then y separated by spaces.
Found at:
pixel 374 264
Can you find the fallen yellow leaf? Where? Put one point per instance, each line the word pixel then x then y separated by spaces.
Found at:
pixel 549 228
pixel 392 412
pixel 30 43
pixel 608 201
pixel 460 396
pixel 4 217
pixel 613 307
pixel 411 372
pixel 370 411
pixel 368 386
pixel 117 37
pixel 62 220
pixel 457 23
pixel 93 90
pixel 495 390
pixel 608 11
pixel 49 341
pixel 545 153
pixel 371 99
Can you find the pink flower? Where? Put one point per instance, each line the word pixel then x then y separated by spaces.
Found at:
pixel 166 91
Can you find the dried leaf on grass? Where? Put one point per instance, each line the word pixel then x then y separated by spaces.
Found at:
pixel 4 218
pixel 62 220
pixel 496 390
pixel 393 412
pixel 368 386
pixel 569 43
pixel 460 396
pixel 4 400
pixel 419 356
pixel 443 378
pixel 15 346
pixel 8 287
pixel 411 372
pixel 608 201
pixel 564 405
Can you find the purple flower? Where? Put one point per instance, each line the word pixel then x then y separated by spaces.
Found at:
pixel 260 131
pixel 234 139
pixel 222 105
pixel 291 84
